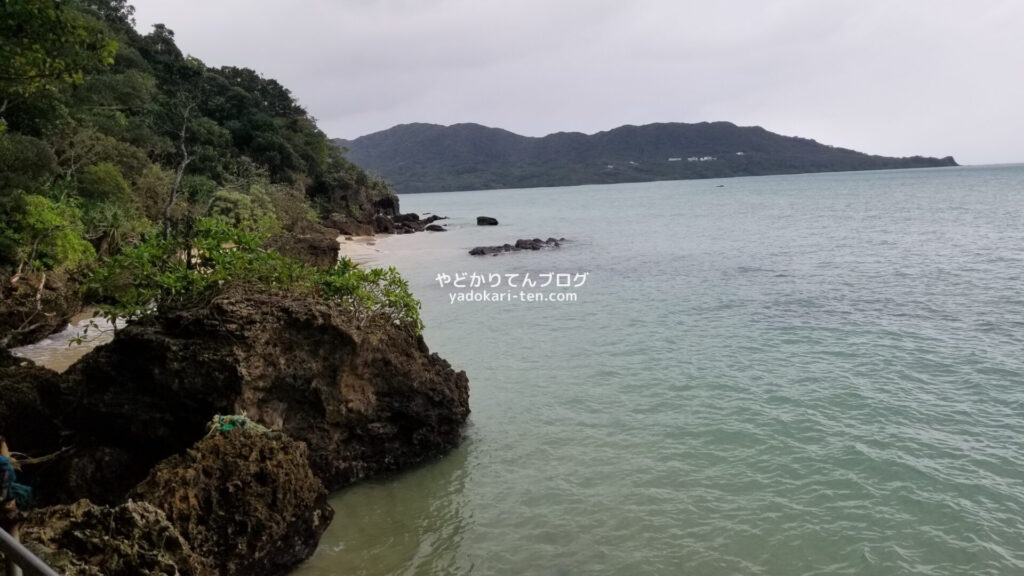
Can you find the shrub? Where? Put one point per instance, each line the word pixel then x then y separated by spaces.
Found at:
pixel 249 210
pixel 103 183
pixel 206 256
pixel 48 234
pixel 375 294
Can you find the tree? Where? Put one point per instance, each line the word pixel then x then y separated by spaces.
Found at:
pixel 51 235
pixel 26 163
pixel 46 43
pixel 103 183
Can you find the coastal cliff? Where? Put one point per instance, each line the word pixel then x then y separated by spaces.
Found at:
pixel 365 400
pixel 341 399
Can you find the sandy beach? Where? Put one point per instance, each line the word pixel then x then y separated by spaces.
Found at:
pixel 360 249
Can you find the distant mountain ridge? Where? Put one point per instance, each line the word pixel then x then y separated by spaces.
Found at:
pixel 433 158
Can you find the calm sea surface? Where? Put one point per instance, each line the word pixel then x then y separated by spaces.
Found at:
pixel 815 374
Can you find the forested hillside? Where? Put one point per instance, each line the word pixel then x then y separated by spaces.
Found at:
pixel 110 137
pixel 428 157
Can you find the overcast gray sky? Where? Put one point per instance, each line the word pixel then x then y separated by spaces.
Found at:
pixel 897 77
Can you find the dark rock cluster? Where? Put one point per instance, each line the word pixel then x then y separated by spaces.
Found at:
pixel 521 244
pixel 239 493
pixel 130 424
pixel 131 539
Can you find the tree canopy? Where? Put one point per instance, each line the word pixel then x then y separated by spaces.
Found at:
pixel 110 135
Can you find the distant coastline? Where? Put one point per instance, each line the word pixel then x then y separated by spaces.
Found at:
pixel 433 158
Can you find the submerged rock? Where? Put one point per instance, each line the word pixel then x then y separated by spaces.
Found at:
pixel 364 400
pixel 486 221
pixel 246 500
pixel 436 228
pixel 133 539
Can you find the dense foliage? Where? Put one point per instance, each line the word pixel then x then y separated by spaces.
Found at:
pixel 109 136
pixel 429 158
pixel 201 259
pixel 159 179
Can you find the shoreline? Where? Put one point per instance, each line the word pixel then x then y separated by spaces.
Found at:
pixel 57 352
pixel 359 249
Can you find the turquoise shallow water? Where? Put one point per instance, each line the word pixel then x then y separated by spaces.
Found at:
pixel 816 374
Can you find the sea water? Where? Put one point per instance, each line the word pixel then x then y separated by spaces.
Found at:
pixel 792 375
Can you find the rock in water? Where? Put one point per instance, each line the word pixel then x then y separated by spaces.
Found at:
pixel 365 400
pixel 486 221
pixel 244 499
pixel 133 539
pixel 435 228
pixel 521 244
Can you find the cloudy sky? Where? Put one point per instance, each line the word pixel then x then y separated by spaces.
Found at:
pixel 895 77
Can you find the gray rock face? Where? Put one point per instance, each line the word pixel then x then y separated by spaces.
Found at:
pixel 246 500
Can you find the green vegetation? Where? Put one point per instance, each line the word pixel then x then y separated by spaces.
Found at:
pixel 209 255
pixel 432 158
pixel 120 155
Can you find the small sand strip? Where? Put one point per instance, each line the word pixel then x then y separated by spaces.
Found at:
pixel 360 249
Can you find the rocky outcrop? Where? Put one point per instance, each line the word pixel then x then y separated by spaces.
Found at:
pixel 407 223
pixel 100 474
pixel 521 244
pixel 349 227
pixel 346 399
pixel 33 306
pixel 365 401
pixel 312 244
pixel 133 539
pixel 28 394
pixel 486 221
pixel 383 225
pixel 246 500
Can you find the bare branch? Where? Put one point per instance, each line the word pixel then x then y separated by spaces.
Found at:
pixel 180 171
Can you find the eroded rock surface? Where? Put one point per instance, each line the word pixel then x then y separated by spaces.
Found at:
pixel 364 400
pixel 133 539
pixel 246 500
